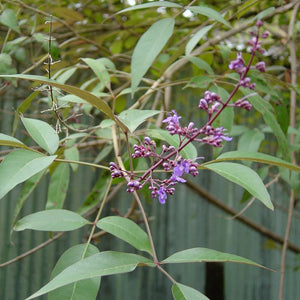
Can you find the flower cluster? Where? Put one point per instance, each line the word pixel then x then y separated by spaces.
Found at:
pixel 170 159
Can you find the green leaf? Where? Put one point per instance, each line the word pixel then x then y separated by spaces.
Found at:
pixel 245 7
pixel 210 13
pixel 183 292
pixel 20 165
pixel 258 157
pixel 6 140
pixel 127 231
pixel 101 264
pixel 201 64
pixel 250 140
pixel 206 255
pixel 243 176
pixel 149 5
pixel 89 287
pixel 264 13
pixel 87 96
pixel 58 186
pixel 189 152
pixel 196 38
pixel 52 220
pixel 27 189
pixel 72 154
pixel 43 134
pixel 99 69
pixel 135 117
pixel 266 110
pixel 148 47
pixel 9 19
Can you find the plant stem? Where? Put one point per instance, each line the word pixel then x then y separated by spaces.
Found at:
pixel 97 218
pixel 135 194
pixel 81 163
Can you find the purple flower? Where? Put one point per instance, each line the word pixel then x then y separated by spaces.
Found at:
pixel 261 66
pixel 172 119
pixel 218 134
pixel 238 64
pixel 179 170
pixel 173 123
pixel 162 195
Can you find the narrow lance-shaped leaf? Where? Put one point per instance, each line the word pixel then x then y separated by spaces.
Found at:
pixel 210 13
pixel 196 38
pixel 52 220
pixel 6 140
pixel 244 177
pixel 19 166
pixel 87 96
pixel 99 69
pixel 89 287
pixel 101 264
pixel 148 47
pixel 257 157
pixel 149 5
pixel 127 231
pixel 72 154
pixel 206 255
pixel 27 189
pixel 43 134
pixel 58 186
pixel 183 292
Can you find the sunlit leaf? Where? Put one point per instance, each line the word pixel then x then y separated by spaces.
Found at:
pixel 127 231
pixel 52 220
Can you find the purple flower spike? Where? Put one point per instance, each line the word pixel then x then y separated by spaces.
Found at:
pixel 162 195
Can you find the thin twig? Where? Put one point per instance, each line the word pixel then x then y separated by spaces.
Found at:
pixel 31 251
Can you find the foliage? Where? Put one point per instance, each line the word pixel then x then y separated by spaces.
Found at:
pixel 104 71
